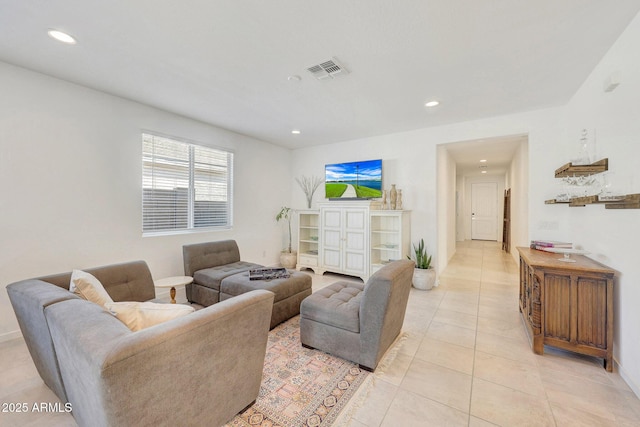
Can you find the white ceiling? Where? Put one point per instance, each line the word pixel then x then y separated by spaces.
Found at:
pixel 497 151
pixel 226 62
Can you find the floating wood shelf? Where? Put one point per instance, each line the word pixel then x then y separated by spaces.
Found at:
pixel 580 170
pixel 629 201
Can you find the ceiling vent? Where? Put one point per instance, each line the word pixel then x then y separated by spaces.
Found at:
pixel 328 69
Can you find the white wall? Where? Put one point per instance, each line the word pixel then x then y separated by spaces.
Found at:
pixel 517 179
pixel 460 194
pixel 446 196
pixel 612 236
pixel 70 167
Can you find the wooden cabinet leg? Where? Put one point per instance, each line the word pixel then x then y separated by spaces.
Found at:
pixel 608 364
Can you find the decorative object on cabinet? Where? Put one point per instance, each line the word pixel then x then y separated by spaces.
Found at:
pixel 384 199
pixel 399 202
pixel 393 196
pixel 582 198
pixel 288 257
pixel 424 276
pixel 567 305
pixel 308 239
pixel 309 185
pixel 566 252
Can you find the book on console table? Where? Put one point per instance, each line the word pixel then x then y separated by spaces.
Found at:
pixel 543 244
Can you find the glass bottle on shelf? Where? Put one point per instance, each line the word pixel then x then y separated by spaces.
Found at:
pixel 583 157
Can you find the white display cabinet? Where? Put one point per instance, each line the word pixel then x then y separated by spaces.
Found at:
pixel 308 239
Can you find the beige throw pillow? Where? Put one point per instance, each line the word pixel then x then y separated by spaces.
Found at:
pixel 86 286
pixel 141 315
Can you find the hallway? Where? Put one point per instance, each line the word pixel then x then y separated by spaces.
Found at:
pixel 467 361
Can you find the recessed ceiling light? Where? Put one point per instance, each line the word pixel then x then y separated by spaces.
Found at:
pixel 483 161
pixel 294 78
pixel 295 132
pixel 432 103
pixel 484 171
pixel 61 37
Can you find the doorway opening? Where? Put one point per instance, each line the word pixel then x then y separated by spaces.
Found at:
pixel 473 177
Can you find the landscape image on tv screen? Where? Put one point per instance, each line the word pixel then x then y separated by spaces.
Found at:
pixel 355 180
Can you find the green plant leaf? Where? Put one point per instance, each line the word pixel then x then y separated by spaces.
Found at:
pixel 422 259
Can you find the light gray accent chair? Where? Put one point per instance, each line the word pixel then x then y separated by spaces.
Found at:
pixel 199 369
pixel 356 321
pixel 209 263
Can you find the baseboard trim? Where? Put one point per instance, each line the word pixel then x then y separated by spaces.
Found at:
pixel 8 336
pixel 627 379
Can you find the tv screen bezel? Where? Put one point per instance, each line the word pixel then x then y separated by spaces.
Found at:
pixel 327 165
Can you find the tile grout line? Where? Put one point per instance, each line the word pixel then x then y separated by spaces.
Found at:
pixel 475 340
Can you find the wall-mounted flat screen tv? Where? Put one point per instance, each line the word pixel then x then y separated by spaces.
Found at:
pixel 354 180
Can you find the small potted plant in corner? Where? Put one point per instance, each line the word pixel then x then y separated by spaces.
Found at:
pixel 424 276
pixel 288 257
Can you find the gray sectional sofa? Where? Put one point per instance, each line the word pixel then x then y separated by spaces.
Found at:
pixel 204 367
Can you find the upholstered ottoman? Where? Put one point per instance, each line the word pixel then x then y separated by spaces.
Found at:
pixel 330 319
pixel 289 292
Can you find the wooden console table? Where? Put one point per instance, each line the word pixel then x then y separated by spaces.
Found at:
pixel 568 305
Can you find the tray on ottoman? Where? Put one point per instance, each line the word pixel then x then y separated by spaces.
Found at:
pixel 268 273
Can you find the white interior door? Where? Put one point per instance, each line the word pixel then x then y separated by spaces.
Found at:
pixel 484 211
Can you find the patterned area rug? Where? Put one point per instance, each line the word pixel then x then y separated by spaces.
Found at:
pixel 300 387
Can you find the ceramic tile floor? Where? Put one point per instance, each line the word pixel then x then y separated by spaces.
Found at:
pixel 465 361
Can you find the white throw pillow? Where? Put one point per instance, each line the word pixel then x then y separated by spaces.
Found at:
pixel 86 286
pixel 141 315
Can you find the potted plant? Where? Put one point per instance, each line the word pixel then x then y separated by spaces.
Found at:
pixel 424 276
pixel 288 257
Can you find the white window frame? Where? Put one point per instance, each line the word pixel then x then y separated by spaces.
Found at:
pixel 172 167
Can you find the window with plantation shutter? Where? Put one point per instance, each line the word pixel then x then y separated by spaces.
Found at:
pixel 185 187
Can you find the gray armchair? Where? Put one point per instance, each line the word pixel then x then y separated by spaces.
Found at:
pixel 355 321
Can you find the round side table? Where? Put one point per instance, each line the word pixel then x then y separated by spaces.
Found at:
pixel 172 282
